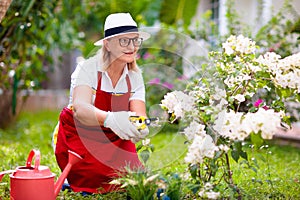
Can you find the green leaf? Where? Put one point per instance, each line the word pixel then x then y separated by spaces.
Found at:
pixel 183 10
pixel 252 109
pixel 139 147
pixel 238 152
pixel 152 147
pixel 253 169
pixel 256 140
pixel 244 155
pixel 235 155
pixel 218 155
pixel 145 154
pixel 193 171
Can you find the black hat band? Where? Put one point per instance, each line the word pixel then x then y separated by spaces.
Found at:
pixel 120 29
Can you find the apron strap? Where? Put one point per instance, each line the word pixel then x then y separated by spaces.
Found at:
pixel 100 78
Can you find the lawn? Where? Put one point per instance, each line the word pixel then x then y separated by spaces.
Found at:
pixel 274 172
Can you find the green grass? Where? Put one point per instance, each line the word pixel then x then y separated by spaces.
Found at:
pixel 169 150
pixel 31 131
pixel 277 175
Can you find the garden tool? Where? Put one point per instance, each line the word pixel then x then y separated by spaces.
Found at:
pixel 37 182
pixel 142 122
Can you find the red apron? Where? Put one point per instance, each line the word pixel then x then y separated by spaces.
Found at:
pixel 104 154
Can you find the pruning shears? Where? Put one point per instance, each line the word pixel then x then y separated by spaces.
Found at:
pixel 142 122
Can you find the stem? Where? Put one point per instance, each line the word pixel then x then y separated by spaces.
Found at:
pixel 230 178
pixel 228 169
pixel 269 171
pixel 238 107
pixel 233 92
pixel 28 7
pixel 242 92
pixel 223 172
pixel 208 173
pixel 198 172
pixel 244 87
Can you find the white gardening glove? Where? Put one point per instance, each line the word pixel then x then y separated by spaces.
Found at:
pixel 143 133
pixel 119 123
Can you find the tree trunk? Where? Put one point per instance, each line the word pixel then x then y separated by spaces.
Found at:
pixel 4 5
pixel 6 108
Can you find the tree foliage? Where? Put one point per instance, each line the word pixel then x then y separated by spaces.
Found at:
pixel 32 29
pixel 180 10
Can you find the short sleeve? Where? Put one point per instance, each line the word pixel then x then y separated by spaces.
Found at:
pixel 137 86
pixel 86 73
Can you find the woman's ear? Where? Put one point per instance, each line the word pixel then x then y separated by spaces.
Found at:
pixel 106 45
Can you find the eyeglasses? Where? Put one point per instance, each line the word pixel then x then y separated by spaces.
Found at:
pixel 124 42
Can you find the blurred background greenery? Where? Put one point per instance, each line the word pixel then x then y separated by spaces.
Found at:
pixel 31 31
pixel 36 35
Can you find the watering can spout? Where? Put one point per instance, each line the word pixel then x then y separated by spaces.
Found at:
pixel 73 159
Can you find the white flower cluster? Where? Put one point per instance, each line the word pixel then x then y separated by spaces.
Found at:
pixel 228 124
pixel 199 92
pixel 218 98
pixel 194 129
pixel 207 191
pixel 219 94
pixel 265 121
pixel 238 126
pixel 178 103
pixel 232 81
pixel 202 144
pixel 286 71
pixel 201 147
pixel 240 44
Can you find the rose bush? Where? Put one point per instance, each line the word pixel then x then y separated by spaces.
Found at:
pixel 240 97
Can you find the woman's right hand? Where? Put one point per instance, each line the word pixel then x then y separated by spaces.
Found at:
pixel 120 124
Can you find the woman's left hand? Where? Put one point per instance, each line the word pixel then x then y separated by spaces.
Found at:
pixel 143 133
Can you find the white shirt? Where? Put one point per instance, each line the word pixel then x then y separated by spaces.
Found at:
pixel 86 73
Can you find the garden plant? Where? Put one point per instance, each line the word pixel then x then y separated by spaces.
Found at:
pixel 218 142
pixel 226 109
pixel 274 176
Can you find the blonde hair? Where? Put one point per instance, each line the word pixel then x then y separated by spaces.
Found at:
pixel 105 55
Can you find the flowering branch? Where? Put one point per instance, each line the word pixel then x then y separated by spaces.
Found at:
pixel 211 107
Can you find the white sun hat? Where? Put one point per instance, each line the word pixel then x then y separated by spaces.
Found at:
pixel 118 24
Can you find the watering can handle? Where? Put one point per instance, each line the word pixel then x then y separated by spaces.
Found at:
pixel 37 155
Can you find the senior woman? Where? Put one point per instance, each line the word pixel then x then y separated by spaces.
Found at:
pixel 106 90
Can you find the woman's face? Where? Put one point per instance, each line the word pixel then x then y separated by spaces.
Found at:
pixel 124 47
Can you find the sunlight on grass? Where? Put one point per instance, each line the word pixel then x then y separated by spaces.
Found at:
pixel 169 150
pixel 31 131
pixel 274 173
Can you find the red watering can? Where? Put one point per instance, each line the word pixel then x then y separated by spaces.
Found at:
pixel 37 182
